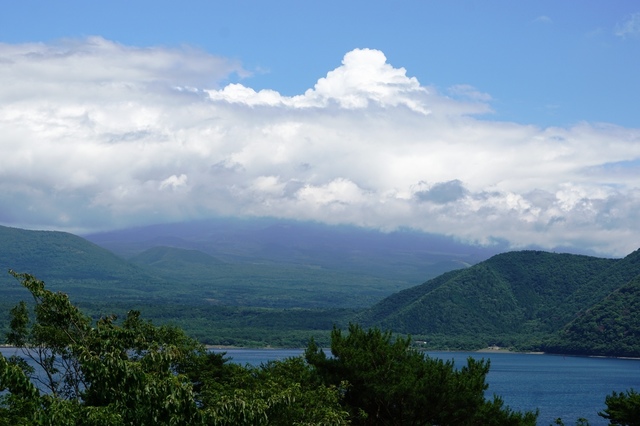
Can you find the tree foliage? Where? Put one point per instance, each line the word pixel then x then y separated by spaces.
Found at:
pixel 623 408
pixel 77 371
pixel 386 382
pixel 130 372
pixel 103 373
pixel 561 303
pixel 610 327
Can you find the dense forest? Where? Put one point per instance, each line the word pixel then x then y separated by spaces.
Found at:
pixel 610 327
pixel 77 372
pixel 98 362
pixel 525 300
pixel 528 300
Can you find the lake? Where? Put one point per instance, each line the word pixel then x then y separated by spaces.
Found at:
pixel 567 387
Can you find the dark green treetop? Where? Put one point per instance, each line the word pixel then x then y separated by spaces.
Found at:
pixel 386 382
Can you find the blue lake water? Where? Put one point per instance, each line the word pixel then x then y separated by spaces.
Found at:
pixel 566 387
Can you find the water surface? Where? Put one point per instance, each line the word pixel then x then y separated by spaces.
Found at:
pixel 559 386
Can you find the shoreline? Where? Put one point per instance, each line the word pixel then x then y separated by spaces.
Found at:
pixel 487 350
pixel 500 350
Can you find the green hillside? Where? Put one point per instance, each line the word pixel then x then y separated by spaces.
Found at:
pixel 527 299
pixel 609 328
pixel 204 278
pixel 72 264
pixel 185 287
pixel 522 298
pixel 168 275
pixel 356 256
pixel 511 292
pixel 620 273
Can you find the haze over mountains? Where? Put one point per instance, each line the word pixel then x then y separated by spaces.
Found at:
pixel 281 241
pixel 300 264
pixel 251 263
pixel 229 277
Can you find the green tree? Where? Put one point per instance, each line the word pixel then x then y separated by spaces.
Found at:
pixel 106 373
pixel 623 408
pixel 131 372
pixel 386 382
pixel 282 393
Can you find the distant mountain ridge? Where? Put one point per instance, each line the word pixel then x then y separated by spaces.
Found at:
pixel 555 302
pixel 240 263
pixel 315 264
pixel 408 256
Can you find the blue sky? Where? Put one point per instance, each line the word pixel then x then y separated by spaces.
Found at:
pixel 478 119
pixel 543 62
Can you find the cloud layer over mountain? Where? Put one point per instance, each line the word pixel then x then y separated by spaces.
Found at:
pixel 97 135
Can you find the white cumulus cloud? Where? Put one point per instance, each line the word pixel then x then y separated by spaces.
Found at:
pixel 97 135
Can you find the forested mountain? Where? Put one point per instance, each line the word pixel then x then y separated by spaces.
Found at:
pixel 528 294
pixel 230 282
pixel 259 264
pixel 131 372
pixel 610 327
pixel 72 264
pixel 508 293
pixel 401 256
pixel 172 257
pixel 527 299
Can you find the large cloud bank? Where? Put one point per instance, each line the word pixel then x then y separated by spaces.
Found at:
pixel 96 135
